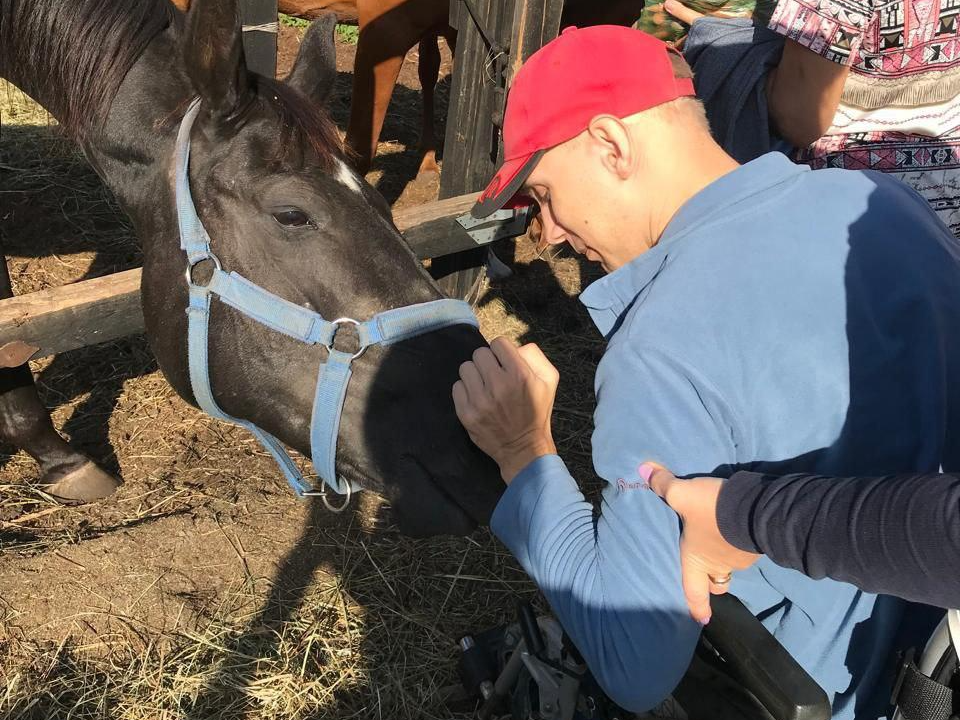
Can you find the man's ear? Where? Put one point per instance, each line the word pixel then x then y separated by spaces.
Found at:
pixel 611 139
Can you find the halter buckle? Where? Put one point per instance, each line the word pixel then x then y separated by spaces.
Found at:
pixel 323 495
pixel 348 321
pixel 191 265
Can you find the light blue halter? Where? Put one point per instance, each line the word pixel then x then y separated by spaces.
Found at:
pixel 295 321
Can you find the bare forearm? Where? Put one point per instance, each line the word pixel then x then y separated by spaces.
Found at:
pixel 803 93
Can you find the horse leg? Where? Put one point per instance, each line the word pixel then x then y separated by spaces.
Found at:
pixel 429 71
pixel 25 423
pixel 381 48
pixel 450 35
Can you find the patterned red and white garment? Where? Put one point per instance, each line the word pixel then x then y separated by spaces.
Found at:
pixel 900 108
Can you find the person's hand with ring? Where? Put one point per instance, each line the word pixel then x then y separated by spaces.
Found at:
pixel 504 399
pixel 707 560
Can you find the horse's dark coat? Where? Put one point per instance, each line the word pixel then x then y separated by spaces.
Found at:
pixel 271 187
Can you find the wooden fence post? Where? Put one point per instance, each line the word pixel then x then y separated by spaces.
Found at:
pixel 260 32
pixel 472 148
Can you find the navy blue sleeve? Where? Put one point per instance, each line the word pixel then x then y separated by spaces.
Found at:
pixel 896 535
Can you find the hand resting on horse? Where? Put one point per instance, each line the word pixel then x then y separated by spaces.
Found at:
pixel 504 399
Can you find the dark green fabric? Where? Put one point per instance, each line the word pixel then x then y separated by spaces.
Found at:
pixel 657 22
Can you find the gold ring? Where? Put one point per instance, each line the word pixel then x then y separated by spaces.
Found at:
pixel 720 579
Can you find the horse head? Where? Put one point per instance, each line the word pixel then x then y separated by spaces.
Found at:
pixel 282 208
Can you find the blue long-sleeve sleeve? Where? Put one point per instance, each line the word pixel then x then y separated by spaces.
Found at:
pixel 614 594
pixel 613 579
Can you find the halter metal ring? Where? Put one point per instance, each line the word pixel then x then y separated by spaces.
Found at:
pixel 349 321
pixel 323 495
pixel 191 265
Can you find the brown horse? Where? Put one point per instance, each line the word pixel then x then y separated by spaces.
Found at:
pixel 388 31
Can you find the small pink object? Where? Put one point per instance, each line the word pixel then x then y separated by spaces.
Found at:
pixel 646 472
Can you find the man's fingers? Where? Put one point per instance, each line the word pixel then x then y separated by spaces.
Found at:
pixel 538 362
pixel 506 353
pixel 460 401
pixel 472 381
pixel 681 12
pixel 487 364
pixel 696 589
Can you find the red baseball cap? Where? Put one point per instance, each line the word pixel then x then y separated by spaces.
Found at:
pixel 604 69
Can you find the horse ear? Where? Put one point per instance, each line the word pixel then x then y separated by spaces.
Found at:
pixel 315 69
pixel 213 50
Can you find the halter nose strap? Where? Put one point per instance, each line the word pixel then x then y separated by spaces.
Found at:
pixel 300 323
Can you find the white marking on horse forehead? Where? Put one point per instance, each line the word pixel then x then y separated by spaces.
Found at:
pixel 348 177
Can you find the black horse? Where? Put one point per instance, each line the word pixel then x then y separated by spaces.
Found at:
pixel 282 208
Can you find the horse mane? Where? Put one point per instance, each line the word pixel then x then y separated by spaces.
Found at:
pixel 75 54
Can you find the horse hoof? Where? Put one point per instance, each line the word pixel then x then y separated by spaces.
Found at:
pixel 85 484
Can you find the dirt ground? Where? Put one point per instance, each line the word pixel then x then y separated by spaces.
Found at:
pixel 203 588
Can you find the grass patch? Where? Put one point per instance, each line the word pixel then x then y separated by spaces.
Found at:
pixel 346 33
pixel 295 22
pixel 349 34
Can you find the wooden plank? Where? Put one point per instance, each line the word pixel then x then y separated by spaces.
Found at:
pixel 431 229
pixel 410 221
pixel 73 316
pixel 106 308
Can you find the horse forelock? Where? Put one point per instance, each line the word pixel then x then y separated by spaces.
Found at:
pixel 72 56
pixel 302 123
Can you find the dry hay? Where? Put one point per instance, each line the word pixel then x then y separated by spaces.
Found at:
pixel 203 589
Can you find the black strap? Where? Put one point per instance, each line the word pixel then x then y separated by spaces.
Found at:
pixel 918 697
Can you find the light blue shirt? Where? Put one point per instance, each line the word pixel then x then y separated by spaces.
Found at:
pixel 787 321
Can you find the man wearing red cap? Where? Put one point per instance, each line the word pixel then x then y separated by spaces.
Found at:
pixel 760 316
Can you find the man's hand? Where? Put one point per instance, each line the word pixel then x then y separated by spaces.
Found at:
pixel 504 399
pixel 704 553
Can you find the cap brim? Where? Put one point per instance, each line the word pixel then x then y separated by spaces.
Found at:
pixel 505 184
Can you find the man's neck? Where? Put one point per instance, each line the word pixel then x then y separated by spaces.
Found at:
pixel 682 175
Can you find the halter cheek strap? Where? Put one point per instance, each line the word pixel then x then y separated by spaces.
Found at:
pixel 298 322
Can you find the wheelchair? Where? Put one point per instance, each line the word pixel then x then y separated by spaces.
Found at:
pixel 529 670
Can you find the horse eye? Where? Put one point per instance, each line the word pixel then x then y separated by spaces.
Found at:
pixel 291 217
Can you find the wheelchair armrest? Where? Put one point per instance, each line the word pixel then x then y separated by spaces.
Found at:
pixel 755 659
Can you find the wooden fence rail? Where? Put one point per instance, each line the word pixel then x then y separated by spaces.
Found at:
pixel 105 308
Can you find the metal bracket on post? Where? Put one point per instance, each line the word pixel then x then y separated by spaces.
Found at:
pixel 16 353
pixel 506 223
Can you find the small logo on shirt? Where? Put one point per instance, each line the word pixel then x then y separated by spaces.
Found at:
pixel 624 485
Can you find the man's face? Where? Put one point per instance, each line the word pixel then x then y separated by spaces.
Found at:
pixel 582 203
